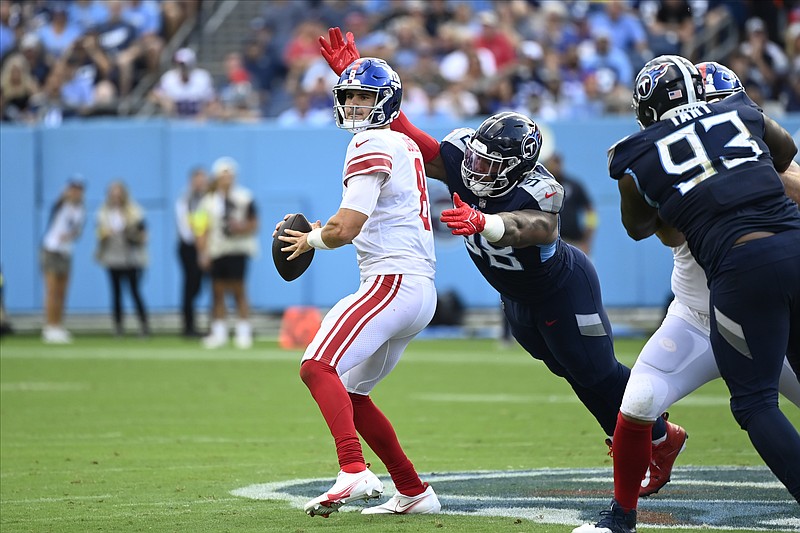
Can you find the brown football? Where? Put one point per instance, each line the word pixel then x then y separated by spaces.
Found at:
pixel 291 270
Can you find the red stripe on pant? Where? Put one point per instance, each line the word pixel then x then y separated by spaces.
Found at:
pixel 374 298
pixel 394 283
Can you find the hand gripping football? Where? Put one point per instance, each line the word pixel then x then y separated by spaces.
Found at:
pixel 291 270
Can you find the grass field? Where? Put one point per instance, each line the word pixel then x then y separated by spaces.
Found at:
pixel 130 435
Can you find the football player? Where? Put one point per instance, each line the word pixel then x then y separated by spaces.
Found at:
pixel 710 171
pixel 506 206
pixel 678 358
pixel 385 214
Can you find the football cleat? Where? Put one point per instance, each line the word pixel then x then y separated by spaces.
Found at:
pixel 614 520
pixel 663 458
pixel 348 488
pixel 425 502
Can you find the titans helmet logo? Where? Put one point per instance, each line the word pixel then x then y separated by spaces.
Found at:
pixel 648 80
pixel 531 144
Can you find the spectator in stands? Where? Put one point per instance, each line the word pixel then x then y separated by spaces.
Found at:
pixel 8 36
pixel 495 39
pixel 31 48
pixel 117 38
pixel 769 63
pixel 186 209
pixel 301 51
pixel 227 226
pixel 578 216
pixel 624 28
pixel 791 91
pixel 145 16
pixel 302 114
pixel 672 28
pixel 58 34
pixel 122 250
pixel 238 101
pixel 610 64
pixel 82 73
pixel 64 226
pixel 175 13
pixel 465 63
pixel 185 91
pixel 88 14
pixel 17 90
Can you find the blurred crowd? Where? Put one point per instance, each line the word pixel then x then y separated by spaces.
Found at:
pixel 548 59
pixel 80 57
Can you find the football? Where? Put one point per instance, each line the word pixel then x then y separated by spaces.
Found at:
pixel 291 270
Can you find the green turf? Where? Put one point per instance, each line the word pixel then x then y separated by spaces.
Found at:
pixel 109 435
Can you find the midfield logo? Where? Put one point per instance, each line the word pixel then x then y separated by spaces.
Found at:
pixel 718 497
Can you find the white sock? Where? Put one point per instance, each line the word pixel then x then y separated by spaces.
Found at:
pixel 243 329
pixel 219 329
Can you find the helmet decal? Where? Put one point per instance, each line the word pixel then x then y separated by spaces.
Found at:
pixel 649 79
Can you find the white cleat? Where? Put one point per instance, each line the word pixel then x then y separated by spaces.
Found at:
pixel 423 503
pixel 348 488
pixel 212 342
pixel 56 335
pixel 243 342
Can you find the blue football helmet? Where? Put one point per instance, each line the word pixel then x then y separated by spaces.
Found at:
pixel 665 86
pixel 500 154
pixel 720 81
pixel 372 75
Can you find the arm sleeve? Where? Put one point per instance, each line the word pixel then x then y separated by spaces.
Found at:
pixel 427 144
pixel 362 193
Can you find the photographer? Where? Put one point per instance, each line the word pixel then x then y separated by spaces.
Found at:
pixel 121 249
pixel 226 227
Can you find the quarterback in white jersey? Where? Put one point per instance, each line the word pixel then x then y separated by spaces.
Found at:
pixel 385 214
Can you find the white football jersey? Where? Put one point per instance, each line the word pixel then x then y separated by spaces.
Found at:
pixel 189 96
pixel 397 238
pixel 688 281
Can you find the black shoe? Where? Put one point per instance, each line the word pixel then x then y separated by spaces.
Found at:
pixel 614 520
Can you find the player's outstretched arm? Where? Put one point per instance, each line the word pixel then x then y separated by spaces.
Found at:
pixel 434 165
pixel 517 229
pixel 639 218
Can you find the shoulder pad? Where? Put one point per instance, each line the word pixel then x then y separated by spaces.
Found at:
pixel 545 189
pixel 459 137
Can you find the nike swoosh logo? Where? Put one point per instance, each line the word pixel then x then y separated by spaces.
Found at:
pixel 358 145
pixel 646 479
pixel 405 508
pixel 549 323
pixel 546 195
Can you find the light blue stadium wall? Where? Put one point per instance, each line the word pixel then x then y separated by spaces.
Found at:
pixel 289 170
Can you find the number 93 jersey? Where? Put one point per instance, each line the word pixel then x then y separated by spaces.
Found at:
pixel 526 275
pixel 709 173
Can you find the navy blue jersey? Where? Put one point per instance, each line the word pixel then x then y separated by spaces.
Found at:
pixel 529 274
pixel 710 174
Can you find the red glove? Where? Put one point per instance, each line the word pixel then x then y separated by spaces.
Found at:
pixel 338 53
pixel 463 219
